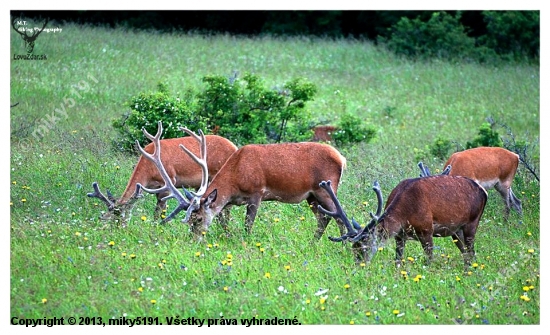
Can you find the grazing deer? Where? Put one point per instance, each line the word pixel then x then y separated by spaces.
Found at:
pixel 285 172
pixel 180 170
pixel 417 209
pixel 323 133
pixel 490 167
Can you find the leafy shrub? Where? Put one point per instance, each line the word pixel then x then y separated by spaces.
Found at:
pixel 440 148
pixel 351 129
pixel 486 137
pixel 149 108
pixel 513 33
pixel 247 112
pixel 243 111
pixel 421 155
pixel 441 36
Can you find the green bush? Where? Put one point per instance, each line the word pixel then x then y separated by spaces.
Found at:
pixel 440 148
pixel 515 34
pixel 149 108
pixel 247 112
pixel 442 36
pixel 351 129
pixel 486 137
pixel 243 111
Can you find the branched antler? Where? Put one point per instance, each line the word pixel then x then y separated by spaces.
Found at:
pixel 190 200
pixel 338 214
pixel 375 217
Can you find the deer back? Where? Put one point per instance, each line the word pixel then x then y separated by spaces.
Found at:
pixel 286 172
pixel 487 165
pixel 443 202
pixel 179 166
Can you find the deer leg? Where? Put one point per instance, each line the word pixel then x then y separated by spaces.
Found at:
pixel 322 219
pixel 251 211
pixel 458 239
pixel 426 239
pixel 516 203
pixel 505 194
pixel 469 236
pixel 399 249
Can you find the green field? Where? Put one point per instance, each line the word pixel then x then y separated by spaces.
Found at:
pixel 66 262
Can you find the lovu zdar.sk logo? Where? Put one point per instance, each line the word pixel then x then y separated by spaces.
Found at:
pixel 29 36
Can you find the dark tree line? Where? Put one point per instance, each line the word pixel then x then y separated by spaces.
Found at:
pixel 502 31
pixel 353 23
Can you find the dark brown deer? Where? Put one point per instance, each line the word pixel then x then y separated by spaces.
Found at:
pixel 490 167
pixel 285 172
pixel 417 209
pixel 180 169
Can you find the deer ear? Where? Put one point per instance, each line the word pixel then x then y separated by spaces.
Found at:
pixel 211 198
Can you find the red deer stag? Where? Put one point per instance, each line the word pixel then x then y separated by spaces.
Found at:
pixel 180 169
pixel 417 209
pixel 285 172
pixel 490 167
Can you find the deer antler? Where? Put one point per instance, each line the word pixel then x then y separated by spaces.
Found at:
pixel 375 217
pixel 338 214
pixel 196 196
pixel 168 184
pixel 191 199
pixel 424 171
pixel 110 200
pixel 97 194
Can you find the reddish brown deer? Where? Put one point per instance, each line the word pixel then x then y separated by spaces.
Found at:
pixel 490 167
pixel 286 172
pixel 180 169
pixel 323 133
pixel 417 209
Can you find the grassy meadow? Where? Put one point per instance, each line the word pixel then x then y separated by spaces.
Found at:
pixel 66 262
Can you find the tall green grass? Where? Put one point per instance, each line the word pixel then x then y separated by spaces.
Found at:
pixel 66 262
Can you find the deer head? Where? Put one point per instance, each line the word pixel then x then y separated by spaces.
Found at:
pixel 115 212
pixel 364 240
